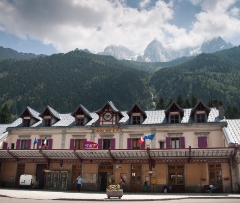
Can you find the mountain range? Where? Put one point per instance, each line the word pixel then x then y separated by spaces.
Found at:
pixel 63 81
pixel 156 52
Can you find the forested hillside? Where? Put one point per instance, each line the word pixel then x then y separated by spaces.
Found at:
pixel 63 81
pixel 206 76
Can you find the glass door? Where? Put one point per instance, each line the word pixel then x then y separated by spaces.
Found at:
pixel 136 178
pixel 176 177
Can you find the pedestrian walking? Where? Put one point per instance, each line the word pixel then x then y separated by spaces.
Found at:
pixel 79 183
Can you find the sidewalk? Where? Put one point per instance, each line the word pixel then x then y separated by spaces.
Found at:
pixel 87 196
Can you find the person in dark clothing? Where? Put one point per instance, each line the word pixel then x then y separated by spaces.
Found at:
pixel 167 188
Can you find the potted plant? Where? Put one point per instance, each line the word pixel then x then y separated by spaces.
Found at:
pixel 114 191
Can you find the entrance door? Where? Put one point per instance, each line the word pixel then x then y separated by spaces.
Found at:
pixel 20 171
pixel 176 177
pixel 40 175
pixel 76 171
pixel 105 176
pixel 136 178
pixel 215 176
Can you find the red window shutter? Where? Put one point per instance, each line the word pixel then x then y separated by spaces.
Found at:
pixel 99 143
pixel 72 142
pixel 50 143
pixel 202 142
pixel 29 144
pixel 182 142
pixel 18 144
pixel 129 143
pixel 39 143
pixel 5 145
pixel 168 142
pixel 113 143
pixel 84 140
pixel 143 145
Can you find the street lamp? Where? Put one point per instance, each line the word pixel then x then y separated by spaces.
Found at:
pixel 150 172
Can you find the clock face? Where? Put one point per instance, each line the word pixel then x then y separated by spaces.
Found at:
pixel 107 116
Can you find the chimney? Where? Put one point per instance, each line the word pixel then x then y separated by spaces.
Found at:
pixel 215 103
pixel 221 110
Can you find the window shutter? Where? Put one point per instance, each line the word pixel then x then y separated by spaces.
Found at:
pixel 99 143
pixel 72 144
pixel 182 142
pixel 39 143
pixel 168 142
pixel 113 143
pixel 129 143
pixel 143 145
pixel 50 143
pixel 18 144
pixel 29 144
pixel 84 140
pixel 5 145
pixel 202 142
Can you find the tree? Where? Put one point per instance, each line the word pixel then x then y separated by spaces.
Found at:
pixel 161 104
pixel 187 103
pixel 5 115
pixel 170 101
pixel 194 101
pixel 180 100
pixel 232 112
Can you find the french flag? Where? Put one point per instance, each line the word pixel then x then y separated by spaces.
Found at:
pixel 141 140
pixel 45 142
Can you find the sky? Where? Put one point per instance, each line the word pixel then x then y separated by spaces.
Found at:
pixel 60 26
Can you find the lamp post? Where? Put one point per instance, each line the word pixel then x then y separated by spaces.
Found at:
pixel 150 172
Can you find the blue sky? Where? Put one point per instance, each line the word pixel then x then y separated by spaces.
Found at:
pixel 53 26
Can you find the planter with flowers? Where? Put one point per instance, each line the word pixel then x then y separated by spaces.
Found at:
pixel 114 191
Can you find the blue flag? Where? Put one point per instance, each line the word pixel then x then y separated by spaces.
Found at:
pixel 149 137
pixel 35 141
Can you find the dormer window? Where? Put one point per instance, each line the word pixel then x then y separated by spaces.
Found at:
pixel 174 118
pixel 26 122
pixel 200 118
pixel 79 121
pixel 47 121
pixel 136 120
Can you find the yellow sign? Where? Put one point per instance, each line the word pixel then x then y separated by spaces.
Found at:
pixel 111 130
pixel 153 181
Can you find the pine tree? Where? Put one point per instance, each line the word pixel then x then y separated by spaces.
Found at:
pixel 180 100
pixel 161 104
pixel 170 101
pixel 187 103
pixel 5 116
pixel 194 101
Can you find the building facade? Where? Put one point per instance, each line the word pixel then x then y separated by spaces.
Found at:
pixel 190 148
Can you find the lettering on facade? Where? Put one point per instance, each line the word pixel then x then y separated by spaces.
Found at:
pixel 111 130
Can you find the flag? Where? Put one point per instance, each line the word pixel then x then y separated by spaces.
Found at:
pixel 149 137
pixel 45 142
pixel 35 141
pixel 141 140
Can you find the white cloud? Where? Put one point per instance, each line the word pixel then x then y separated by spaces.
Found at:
pixel 95 24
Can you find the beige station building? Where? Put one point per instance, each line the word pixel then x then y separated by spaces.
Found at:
pixel 190 148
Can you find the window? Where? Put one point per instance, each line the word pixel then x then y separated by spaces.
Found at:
pixel 175 143
pixel 200 118
pixel 26 123
pixel 135 144
pixel 174 118
pixel 161 145
pixel 12 146
pixel 78 144
pixel 79 121
pixel 106 143
pixel 47 122
pixel 136 120
pixel 23 144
